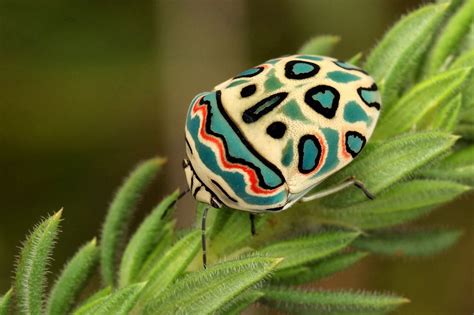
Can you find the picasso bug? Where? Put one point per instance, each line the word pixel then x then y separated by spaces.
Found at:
pixel 260 141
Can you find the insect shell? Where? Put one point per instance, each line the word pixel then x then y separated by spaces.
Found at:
pixel 261 140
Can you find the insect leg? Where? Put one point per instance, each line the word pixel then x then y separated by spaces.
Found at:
pixel 351 181
pixel 252 224
pixel 203 237
pixel 181 195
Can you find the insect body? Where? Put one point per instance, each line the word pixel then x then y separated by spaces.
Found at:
pixel 261 140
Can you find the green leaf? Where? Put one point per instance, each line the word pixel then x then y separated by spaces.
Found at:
pixel 464 61
pixel 447 117
pixel 403 202
pixel 395 58
pixel 307 249
pixel 5 302
pixel 408 243
pixel 207 291
pixel 144 240
pixel 466 130
pixel 458 166
pixel 386 163
pixel 119 214
pixel 450 39
pixel 171 265
pixel 423 98
pixel 355 60
pixel 93 301
pixel 319 45
pixel 73 279
pixel 331 302
pixel 319 270
pixel 119 302
pixel 240 303
pixel 30 276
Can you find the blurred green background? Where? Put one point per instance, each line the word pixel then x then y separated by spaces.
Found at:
pixel 89 88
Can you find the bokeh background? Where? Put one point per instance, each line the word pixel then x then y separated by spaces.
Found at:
pixel 89 88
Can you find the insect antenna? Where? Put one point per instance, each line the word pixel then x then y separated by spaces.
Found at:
pixel 203 237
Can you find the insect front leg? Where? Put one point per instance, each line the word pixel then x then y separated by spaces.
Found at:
pixel 351 181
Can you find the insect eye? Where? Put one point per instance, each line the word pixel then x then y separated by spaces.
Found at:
pixel 276 130
pixel 248 90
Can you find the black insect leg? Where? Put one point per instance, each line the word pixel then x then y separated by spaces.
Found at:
pixel 203 237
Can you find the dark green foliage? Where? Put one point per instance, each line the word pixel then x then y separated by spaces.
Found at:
pixel 421 157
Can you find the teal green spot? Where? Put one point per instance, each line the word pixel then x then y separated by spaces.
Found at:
pixel 368 96
pixel 332 159
pixel 273 61
pixel 302 67
pixel 292 110
pixel 272 83
pixel 325 98
pixel 346 65
pixel 249 72
pixel 310 153
pixel 342 77
pixel 309 57
pixel 287 157
pixel 236 83
pixel 355 143
pixel 353 112
pixel 269 103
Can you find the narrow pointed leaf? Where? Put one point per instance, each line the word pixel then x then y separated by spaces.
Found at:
pixel 93 301
pixel 408 243
pixel 119 302
pixel 401 203
pixel 30 275
pixel 464 61
pixel 319 45
pixel 331 302
pixel 458 166
pixel 307 249
pixel 395 58
pixel 207 291
pixel 355 60
pixel 73 279
pixel 171 265
pixel 447 117
pixel 450 39
pixel 425 97
pixel 5 302
pixel 240 303
pixel 319 270
pixel 387 163
pixel 119 213
pixel 144 240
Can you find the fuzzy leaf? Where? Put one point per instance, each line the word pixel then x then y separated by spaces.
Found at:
pixel 458 166
pixel 307 249
pixel 143 241
pixel 387 163
pixel 93 301
pixel 119 214
pixel 408 243
pixel 466 129
pixel 395 58
pixel 423 98
pixel 206 291
pixel 171 265
pixel 403 202
pixel 73 279
pixel 319 270
pixel 451 37
pixel 240 303
pixel 30 276
pixel 355 60
pixel 119 302
pixel 319 45
pixel 331 302
pixel 5 302
pixel 447 117
pixel 464 61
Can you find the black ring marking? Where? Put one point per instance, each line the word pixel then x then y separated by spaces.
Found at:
pixel 352 152
pixel 246 143
pixel 276 130
pixel 259 70
pixel 223 190
pixel 263 107
pixel 189 146
pixel 249 90
pixel 373 87
pixel 290 74
pixel 317 106
pixel 317 159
